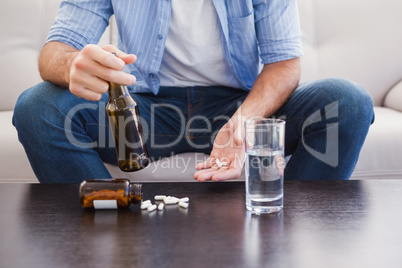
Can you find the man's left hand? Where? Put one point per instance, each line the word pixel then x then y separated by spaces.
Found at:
pixel 227 155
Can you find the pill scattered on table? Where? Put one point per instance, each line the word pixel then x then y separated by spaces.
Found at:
pixel 146 205
pixel 170 200
pixel 151 208
pixel 184 199
pixel 183 204
pixel 166 200
pixel 146 202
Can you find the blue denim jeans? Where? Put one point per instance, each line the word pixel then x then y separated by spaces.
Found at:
pixel 67 138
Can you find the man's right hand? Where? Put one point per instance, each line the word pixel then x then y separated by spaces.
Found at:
pixel 85 72
pixel 95 65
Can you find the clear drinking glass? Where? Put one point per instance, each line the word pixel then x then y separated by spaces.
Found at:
pixel 265 164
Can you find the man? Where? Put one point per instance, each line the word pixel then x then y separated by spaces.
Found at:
pixel 193 66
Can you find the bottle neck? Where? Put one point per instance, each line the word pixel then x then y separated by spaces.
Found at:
pixel 135 193
pixel 117 90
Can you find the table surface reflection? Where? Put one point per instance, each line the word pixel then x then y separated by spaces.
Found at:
pixel 323 224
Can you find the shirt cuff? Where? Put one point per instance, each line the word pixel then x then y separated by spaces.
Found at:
pixel 68 37
pixel 280 50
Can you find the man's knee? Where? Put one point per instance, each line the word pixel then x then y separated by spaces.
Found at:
pixel 353 109
pixel 351 100
pixel 31 103
pixel 355 102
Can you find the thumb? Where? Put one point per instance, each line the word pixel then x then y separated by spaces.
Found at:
pixel 238 135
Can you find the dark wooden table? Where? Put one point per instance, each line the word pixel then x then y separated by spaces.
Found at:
pixel 323 224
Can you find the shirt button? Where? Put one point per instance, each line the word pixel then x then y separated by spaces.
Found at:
pixel 160 37
pixel 151 75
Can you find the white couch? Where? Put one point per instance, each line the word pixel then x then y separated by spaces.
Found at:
pixel 359 40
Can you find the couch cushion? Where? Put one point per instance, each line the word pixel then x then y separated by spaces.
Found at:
pixel 24 25
pixel 394 97
pixel 14 164
pixel 176 168
pixel 381 153
pixel 358 40
pixel 20 29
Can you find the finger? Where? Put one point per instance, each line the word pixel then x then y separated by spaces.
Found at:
pixel 82 85
pixel 85 80
pixel 210 175
pixel 103 57
pixel 238 136
pixel 127 58
pixel 206 164
pixel 227 174
pixel 96 69
pixel 118 77
pixel 202 171
pixel 86 93
pixel 205 174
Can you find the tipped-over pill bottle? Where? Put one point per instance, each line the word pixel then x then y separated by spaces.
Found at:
pixel 109 194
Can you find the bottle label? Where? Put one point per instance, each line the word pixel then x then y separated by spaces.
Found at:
pixel 105 204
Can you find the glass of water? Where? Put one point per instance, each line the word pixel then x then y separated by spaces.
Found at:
pixel 265 165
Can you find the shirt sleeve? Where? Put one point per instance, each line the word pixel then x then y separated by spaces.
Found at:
pixel 278 30
pixel 80 22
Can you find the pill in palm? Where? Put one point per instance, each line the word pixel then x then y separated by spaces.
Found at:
pixel 220 164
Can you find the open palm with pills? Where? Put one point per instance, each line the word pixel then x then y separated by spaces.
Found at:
pixel 227 156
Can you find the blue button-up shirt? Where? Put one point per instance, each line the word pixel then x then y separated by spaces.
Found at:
pixel 253 32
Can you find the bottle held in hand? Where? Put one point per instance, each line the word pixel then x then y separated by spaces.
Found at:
pixel 126 129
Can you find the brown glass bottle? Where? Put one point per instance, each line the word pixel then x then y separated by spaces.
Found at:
pixel 126 128
pixel 117 193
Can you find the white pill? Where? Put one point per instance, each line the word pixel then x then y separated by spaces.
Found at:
pixel 219 165
pixel 170 201
pixel 217 162
pixel 161 206
pixel 184 199
pixel 183 204
pixel 146 205
pixel 151 208
pixel 175 199
pixel 146 202
pixel 159 197
pixel 224 163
